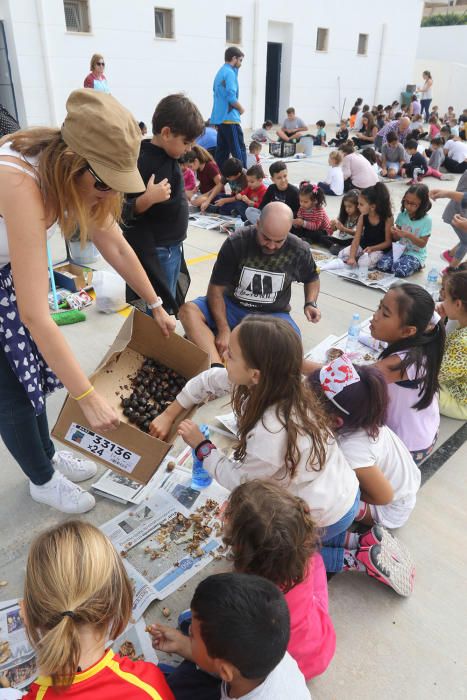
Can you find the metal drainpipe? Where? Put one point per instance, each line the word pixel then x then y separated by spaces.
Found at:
pixel 46 62
pixel 254 79
pixel 380 61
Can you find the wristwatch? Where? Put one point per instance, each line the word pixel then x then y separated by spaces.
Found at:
pixel 204 449
pixel 311 303
pixel 156 304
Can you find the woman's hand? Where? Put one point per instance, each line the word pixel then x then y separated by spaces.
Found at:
pixel 190 433
pixel 169 640
pixel 98 413
pixel 165 322
pixel 437 194
pixel 160 427
pixel 460 222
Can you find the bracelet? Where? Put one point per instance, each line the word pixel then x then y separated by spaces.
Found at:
pixel 84 394
pixel 311 303
pixel 156 304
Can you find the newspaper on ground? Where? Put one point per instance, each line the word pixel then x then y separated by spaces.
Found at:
pixel 368 350
pixel 209 221
pixel 17 659
pixel 375 279
pixel 135 643
pixel 229 421
pixel 124 490
pixel 170 536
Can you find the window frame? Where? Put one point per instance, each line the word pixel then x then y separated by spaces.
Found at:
pixel 326 41
pixel 170 12
pixel 85 16
pixel 365 52
pixel 234 42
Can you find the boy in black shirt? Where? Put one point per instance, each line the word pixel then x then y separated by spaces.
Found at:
pixel 157 224
pixel 279 191
pixel 418 165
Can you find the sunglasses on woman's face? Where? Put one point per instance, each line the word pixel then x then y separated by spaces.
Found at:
pixel 100 63
pixel 98 184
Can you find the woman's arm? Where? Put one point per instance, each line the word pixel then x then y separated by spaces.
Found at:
pixel 118 252
pixel 374 486
pixel 22 207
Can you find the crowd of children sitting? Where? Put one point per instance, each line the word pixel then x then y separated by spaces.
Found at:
pixel 323 467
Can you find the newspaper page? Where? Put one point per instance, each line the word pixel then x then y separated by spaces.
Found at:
pixel 123 489
pixel 375 280
pixel 209 221
pixel 135 643
pixel 367 352
pixel 17 659
pixel 169 537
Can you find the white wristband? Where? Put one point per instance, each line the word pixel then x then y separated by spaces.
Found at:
pixel 156 304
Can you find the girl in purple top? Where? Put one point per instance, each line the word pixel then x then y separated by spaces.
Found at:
pixel 411 364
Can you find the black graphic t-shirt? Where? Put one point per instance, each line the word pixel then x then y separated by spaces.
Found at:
pixel 261 282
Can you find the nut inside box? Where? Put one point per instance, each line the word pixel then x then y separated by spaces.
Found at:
pixel 127 450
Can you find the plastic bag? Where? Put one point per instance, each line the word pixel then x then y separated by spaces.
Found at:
pixel 110 291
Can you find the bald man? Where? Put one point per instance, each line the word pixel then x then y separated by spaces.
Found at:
pixel 253 274
pixel 400 126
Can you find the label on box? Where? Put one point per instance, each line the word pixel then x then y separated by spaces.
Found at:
pixel 107 450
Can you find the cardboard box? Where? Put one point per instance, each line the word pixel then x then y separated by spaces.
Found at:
pixel 72 277
pixel 127 450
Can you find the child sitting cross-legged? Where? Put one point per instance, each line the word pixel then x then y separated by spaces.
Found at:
pixel 253 194
pixel 312 223
pixel 356 399
pixel 279 191
pixel 271 533
pixel 237 647
pixel 77 596
pixel 233 178
pixel 346 223
pixel 412 229
pixel 334 184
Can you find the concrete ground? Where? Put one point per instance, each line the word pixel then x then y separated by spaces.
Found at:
pixel 386 646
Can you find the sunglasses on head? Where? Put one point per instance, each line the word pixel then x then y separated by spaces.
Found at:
pixel 100 63
pixel 98 184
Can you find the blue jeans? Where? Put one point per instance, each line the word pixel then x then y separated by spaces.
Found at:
pixel 235 208
pixel 333 537
pixel 235 314
pixel 406 265
pixel 170 258
pixel 425 108
pixel 26 436
pixel 327 189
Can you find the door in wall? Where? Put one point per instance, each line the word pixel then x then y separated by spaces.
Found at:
pixel 7 93
pixel 273 81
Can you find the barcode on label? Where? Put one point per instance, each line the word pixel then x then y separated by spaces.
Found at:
pixel 102 447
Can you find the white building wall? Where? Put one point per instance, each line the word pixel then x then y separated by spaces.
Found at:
pixel 443 43
pixel 49 62
pixel 443 51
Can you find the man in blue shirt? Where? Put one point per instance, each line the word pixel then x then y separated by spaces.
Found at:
pixel 227 109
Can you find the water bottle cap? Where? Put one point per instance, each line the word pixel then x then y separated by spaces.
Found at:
pixel 356 317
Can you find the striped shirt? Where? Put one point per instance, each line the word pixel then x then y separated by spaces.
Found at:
pixel 315 219
pixel 112 678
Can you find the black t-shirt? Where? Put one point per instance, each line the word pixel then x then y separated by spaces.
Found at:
pixel 288 196
pixel 419 161
pixel 373 234
pixel 262 282
pixel 166 223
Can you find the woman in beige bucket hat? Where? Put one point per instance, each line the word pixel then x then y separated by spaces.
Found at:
pixel 74 176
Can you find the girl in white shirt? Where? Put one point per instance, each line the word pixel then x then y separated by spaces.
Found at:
pixel 334 184
pixel 356 399
pixel 282 429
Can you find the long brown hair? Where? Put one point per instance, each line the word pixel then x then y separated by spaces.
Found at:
pixel 271 533
pixel 72 567
pixel 58 171
pixel 371 123
pixel 274 348
pixel 201 154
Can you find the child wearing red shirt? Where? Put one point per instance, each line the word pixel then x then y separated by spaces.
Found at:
pixel 312 222
pixel 253 194
pixel 77 596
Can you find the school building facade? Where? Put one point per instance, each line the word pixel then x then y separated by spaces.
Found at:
pixel 317 55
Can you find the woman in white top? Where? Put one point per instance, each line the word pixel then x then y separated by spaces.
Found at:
pixel 282 430
pixel 426 94
pixel 73 176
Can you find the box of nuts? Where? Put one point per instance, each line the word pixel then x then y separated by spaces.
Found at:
pixel 140 376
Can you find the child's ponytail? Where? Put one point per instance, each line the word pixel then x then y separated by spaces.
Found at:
pixel 425 349
pixel 74 577
pixel 379 196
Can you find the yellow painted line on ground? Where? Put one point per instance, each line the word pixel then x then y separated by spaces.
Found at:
pixel 201 258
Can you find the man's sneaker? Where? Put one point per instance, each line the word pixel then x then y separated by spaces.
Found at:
pixel 396 571
pixel 72 467
pixel 447 257
pixel 378 535
pixel 62 494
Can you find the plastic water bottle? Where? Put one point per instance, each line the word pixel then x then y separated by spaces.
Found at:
pixel 238 223
pixel 432 283
pixel 200 478
pixel 353 333
pixel 363 265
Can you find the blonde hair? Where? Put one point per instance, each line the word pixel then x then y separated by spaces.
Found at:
pixel 336 157
pixel 94 58
pixel 72 567
pixel 59 169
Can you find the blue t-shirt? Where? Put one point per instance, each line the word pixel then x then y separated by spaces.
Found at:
pixel 419 228
pixel 208 138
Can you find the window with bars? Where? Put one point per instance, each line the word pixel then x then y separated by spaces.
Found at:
pixel 233 30
pixel 164 23
pixel 76 15
pixel 362 48
pixel 322 37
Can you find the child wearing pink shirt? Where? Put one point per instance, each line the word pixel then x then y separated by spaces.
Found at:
pixel 271 534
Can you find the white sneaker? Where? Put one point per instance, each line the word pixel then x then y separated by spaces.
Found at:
pixel 62 494
pixel 72 467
